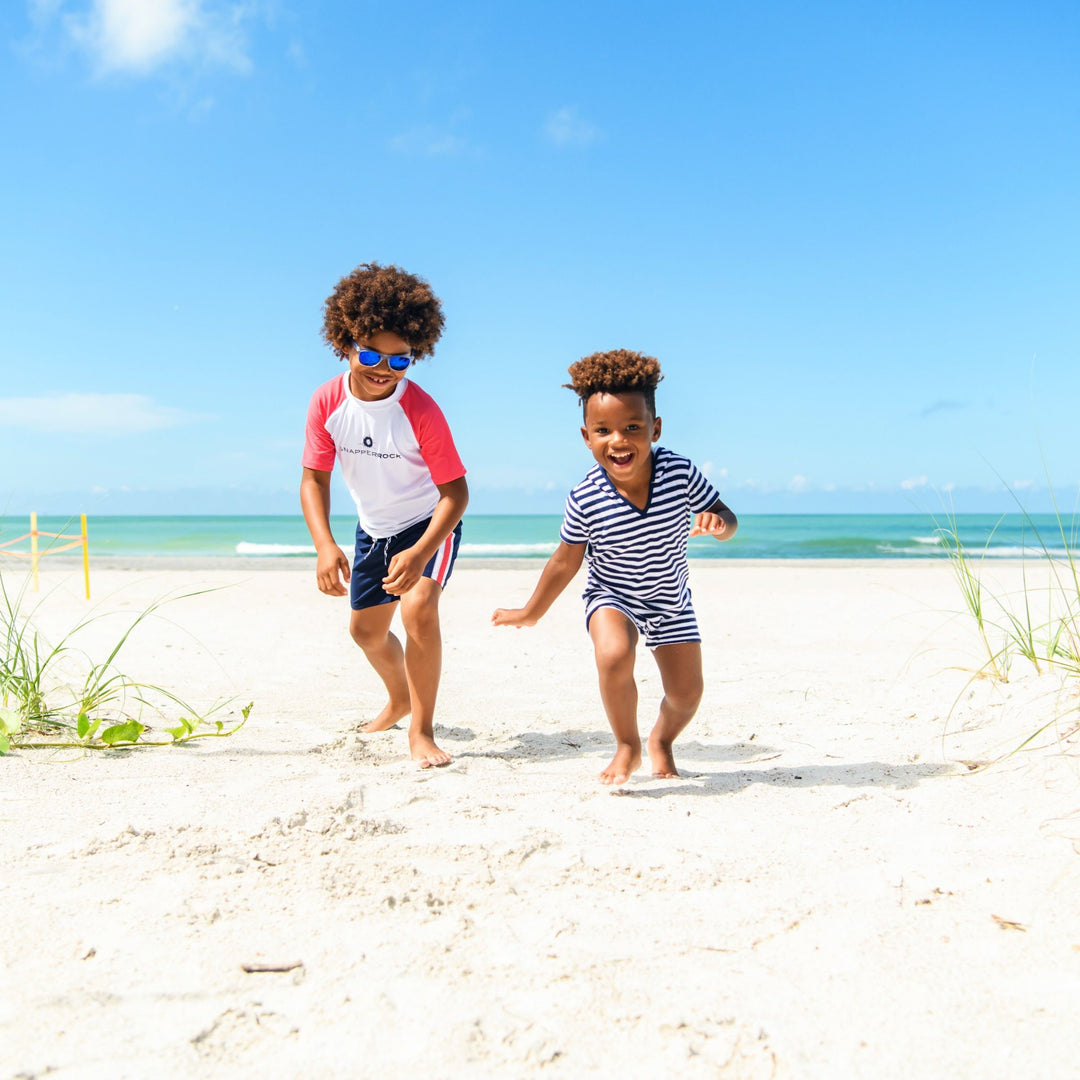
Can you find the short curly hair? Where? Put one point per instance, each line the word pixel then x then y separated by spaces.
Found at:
pixel 376 298
pixel 616 371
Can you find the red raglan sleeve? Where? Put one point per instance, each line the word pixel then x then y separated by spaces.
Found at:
pixel 319 450
pixel 433 435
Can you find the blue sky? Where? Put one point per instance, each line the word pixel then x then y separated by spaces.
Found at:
pixel 849 231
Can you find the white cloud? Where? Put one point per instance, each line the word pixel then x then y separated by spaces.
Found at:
pixel 913 482
pixel 428 142
pixel 297 54
pixel 566 127
pixel 751 483
pixel 798 484
pixel 43 10
pixel 139 36
pixel 711 472
pixel 93 414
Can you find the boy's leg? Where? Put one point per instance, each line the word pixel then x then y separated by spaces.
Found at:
pixel 680 673
pixel 423 667
pixel 370 629
pixel 614 639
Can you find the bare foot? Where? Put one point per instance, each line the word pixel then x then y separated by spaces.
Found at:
pixel 426 753
pixel 627 759
pixel 662 759
pixel 390 715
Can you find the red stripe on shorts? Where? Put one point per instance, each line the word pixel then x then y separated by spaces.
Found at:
pixel 448 546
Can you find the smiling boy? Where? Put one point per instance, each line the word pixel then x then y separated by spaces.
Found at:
pixel 403 471
pixel 630 517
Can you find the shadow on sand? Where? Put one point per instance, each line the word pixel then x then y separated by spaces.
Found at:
pixel 540 746
pixel 855 774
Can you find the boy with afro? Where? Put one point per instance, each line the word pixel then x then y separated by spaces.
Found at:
pixel 630 518
pixel 401 467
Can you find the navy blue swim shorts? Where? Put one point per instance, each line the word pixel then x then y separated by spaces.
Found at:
pixel 371 558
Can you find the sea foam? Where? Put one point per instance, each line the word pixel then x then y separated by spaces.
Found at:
pixel 246 548
pixel 508 549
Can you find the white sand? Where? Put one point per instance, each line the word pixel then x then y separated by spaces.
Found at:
pixel 827 892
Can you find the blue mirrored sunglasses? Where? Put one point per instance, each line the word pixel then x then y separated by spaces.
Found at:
pixel 371 358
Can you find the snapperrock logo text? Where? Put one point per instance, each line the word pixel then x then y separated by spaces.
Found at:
pixel 368 453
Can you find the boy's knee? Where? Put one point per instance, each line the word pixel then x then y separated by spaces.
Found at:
pixel 686 697
pixel 368 632
pixel 613 653
pixel 421 620
pixel 614 638
pixel 366 637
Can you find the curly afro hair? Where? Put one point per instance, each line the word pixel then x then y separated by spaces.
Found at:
pixel 374 298
pixel 615 372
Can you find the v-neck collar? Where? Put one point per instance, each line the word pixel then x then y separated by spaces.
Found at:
pixel 642 510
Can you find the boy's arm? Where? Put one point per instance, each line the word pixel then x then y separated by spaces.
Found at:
pixel 407 567
pixel 559 572
pixel 332 563
pixel 718 521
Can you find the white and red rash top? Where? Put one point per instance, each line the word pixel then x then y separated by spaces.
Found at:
pixel 392 452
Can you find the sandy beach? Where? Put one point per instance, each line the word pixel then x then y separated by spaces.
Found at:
pixel 848 880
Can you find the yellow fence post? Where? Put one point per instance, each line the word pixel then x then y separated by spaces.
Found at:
pixel 85 557
pixel 33 550
pixel 35 554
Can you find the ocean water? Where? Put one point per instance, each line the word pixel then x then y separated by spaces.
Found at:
pixel 761 536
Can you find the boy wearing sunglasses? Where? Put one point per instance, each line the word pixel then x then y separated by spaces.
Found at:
pixel 400 465
pixel 630 518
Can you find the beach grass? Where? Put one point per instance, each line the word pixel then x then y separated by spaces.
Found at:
pixel 55 695
pixel 1039 623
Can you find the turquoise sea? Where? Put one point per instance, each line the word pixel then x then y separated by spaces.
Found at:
pixel 763 536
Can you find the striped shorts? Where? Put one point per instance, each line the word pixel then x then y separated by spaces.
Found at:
pixel 371 558
pixel 676 628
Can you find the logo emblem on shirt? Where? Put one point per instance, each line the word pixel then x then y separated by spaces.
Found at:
pixel 368 441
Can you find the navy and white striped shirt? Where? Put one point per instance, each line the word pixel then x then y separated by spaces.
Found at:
pixel 639 555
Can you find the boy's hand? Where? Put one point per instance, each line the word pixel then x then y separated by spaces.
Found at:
pixel 709 524
pixel 512 617
pixel 405 570
pixel 331 567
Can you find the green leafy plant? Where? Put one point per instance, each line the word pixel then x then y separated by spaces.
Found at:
pixel 43 705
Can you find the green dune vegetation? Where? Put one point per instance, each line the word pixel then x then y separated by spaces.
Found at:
pixel 55 695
